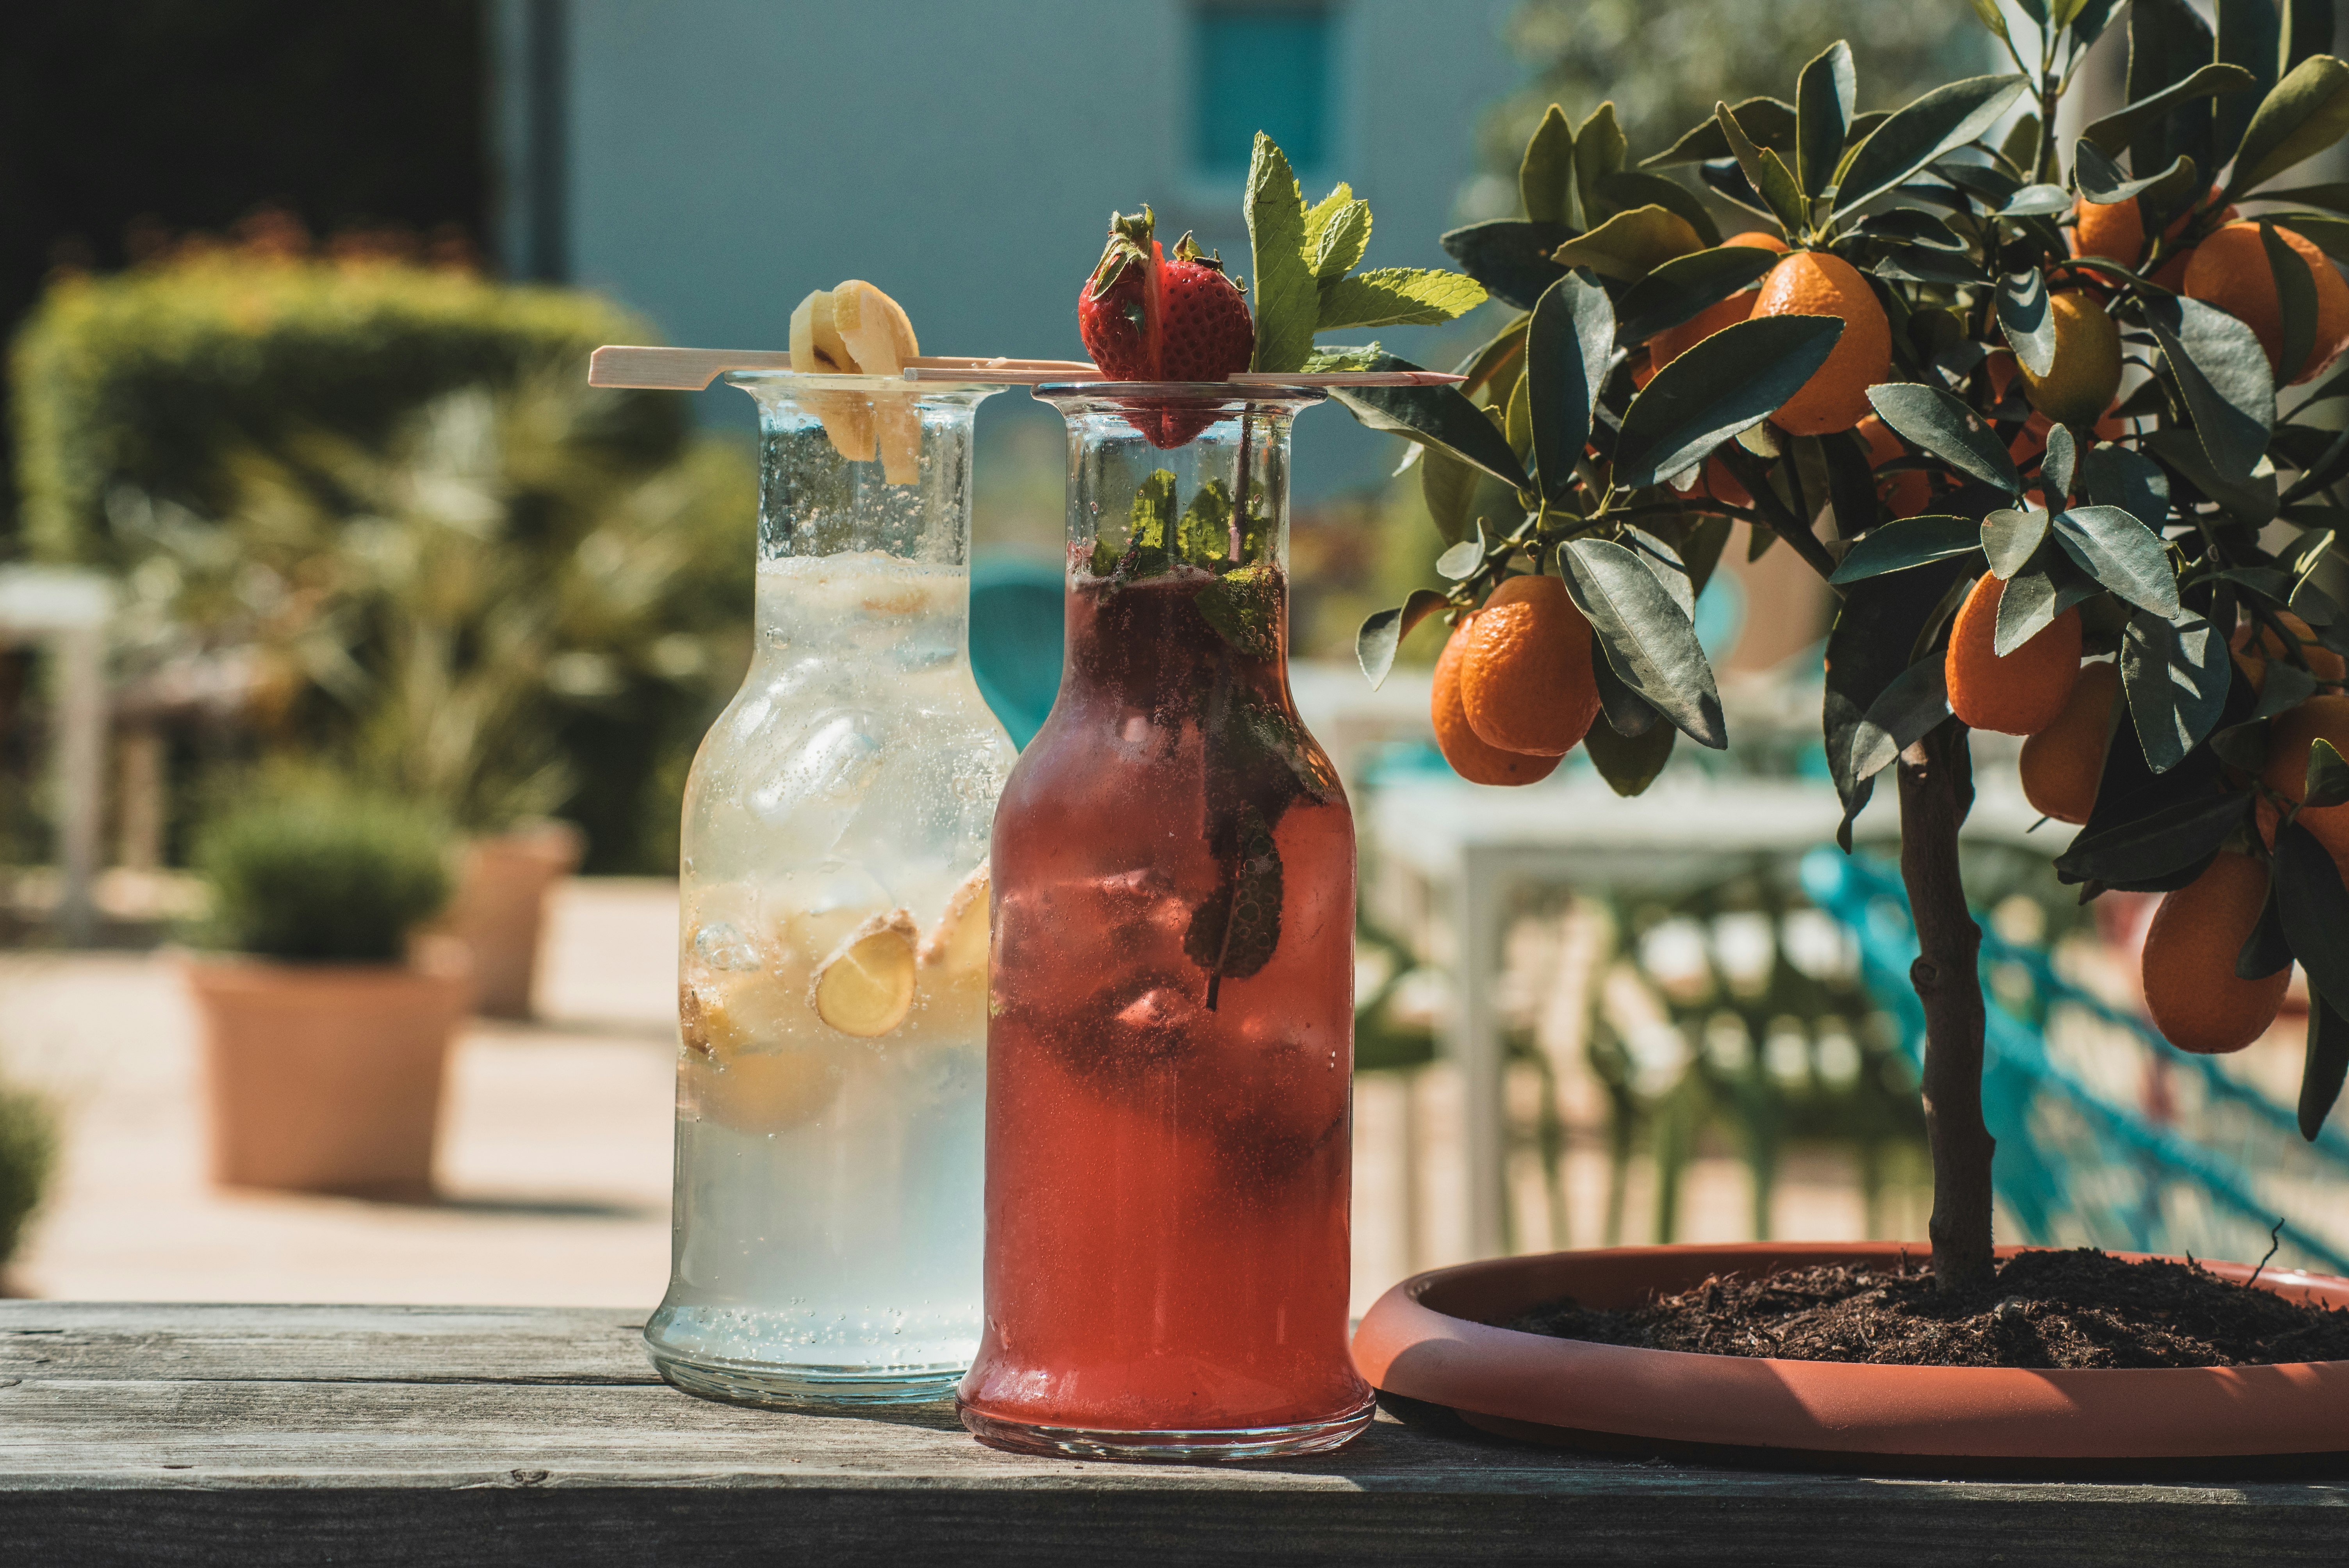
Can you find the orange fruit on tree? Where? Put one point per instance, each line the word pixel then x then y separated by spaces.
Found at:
pixel 2289 737
pixel 2197 1001
pixel 1526 681
pixel 2063 764
pixel 2230 269
pixel 2031 441
pixel 1812 282
pixel 2116 231
pixel 1905 493
pixel 1674 341
pixel 2086 371
pixel 1470 756
pixel 2255 643
pixel 2021 692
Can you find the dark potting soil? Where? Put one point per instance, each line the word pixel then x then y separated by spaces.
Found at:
pixel 2047 1309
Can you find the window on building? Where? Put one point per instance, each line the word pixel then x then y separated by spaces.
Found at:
pixel 1260 66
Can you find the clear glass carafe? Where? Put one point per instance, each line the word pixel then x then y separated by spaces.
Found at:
pixel 833 970
pixel 1170 1039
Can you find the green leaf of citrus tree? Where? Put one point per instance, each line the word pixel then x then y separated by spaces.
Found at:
pixel 1868 649
pixel 2024 318
pixel 1936 422
pixel 1383 633
pixel 1947 117
pixel 2305 113
pixel 1397 296
pixel 1647 641
pixel 2113 475
pixel 1826 98
pixel 1511 257
pixel 2167 844
pixel 1684 287
pixel 1629 763
pixel 2295 288
pixel 2116 131
pixel 1909 541
pixel 2247 37
pixel 2175 674
pixel 1599 149
pixel 2316 908
pixel 1733 379
pixel 2048 585
pixel 2104 181
pixel 1625 190
pixel 1288 295
pixel 1766 172
pixel 2324 1067
pixel 2011 536
pixel 1437 417
pixel 1769 121
pixel 1568 348
pixel 2123 554
pixel 2223 373
pixel 1903 714
pixel 1630 243
pixel 1545 174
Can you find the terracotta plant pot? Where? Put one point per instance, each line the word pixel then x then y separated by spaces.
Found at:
pixel 1428 1339
pixel 499 910
pixel 327 1077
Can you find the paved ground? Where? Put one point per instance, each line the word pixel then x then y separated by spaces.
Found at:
pixel 556 1167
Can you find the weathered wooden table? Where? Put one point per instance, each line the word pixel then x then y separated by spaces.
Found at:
pixel 258 1435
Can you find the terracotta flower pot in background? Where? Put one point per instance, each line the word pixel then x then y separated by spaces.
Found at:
pixel 326 1077
pixel 1429 1339
pixel 500 909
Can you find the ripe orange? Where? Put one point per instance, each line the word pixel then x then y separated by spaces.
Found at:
pixel 1526 682
pixel 2116 233
pixel 1674 341
pixel 2230 270
pixel 1906 492
pixel 2063 764
pixel 1470 758
pixel 2025 691
pixel 2197 1001
pixel 2327 665
pixel 2320 717
pixel 1812 282
pixel 2079 386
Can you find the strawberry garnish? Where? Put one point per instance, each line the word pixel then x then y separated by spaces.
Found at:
pixel 1146 317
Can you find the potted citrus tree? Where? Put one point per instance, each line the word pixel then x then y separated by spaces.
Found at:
pixel 2059 424
pixel 325 1022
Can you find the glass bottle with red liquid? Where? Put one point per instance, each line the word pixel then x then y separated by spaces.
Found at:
pixel 1170 1037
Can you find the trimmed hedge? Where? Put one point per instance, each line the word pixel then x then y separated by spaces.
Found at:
pixel 149 376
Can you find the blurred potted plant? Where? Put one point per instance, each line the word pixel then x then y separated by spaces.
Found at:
pixel 327 1021
pixel 28 1147
pixel 457 613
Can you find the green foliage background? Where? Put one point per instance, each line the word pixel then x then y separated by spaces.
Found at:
pixel 1665 63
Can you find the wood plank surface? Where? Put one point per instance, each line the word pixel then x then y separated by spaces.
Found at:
pixel 427 1435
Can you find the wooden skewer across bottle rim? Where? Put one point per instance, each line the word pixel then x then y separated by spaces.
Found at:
pixel 691 369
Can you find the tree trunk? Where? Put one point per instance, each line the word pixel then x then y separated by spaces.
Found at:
pixel 1936 790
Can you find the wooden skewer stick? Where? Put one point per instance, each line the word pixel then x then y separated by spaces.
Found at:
pixel 691 369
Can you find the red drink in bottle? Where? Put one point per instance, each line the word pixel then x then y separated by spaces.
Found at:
pixel 1170 1045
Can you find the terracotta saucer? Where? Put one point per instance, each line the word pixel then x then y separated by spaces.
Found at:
pixel 1429 1341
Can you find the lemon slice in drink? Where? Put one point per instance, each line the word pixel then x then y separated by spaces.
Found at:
pixel 957 943
pixel 866 986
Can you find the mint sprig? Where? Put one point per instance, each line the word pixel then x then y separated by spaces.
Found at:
pixel 1302 259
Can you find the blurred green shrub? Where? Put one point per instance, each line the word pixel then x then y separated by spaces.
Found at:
pixel 150 377
pixel 28 1150
pixel 323 873
pixel 378 505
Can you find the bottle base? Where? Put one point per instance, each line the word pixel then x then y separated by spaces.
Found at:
pixel 1170 1447
pixel 807 1387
